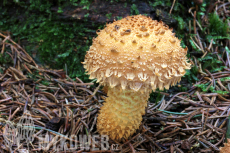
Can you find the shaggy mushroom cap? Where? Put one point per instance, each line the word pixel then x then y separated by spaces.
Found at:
pixel 136 53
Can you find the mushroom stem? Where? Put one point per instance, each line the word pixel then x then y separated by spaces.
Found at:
pixel 122 113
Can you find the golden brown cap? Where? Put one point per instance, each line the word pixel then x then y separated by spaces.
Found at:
pixel 226 148
pixel 137 53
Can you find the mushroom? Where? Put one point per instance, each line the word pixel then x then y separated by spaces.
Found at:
pixel 226 147
pixel 134 60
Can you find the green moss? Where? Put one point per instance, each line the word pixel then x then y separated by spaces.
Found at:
pixel 211 63
pixel 109 15
pixel 204 87
pixel 167 3
pixel 134 10
pixel 5 59
pixel 218 26
pixel 57 42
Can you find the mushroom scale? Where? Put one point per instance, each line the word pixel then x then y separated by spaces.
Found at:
pixel 136 53
pixel 132 57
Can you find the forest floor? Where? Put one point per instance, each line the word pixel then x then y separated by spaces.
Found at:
pixel 55 106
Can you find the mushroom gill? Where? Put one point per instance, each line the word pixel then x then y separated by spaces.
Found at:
pixel 133 56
